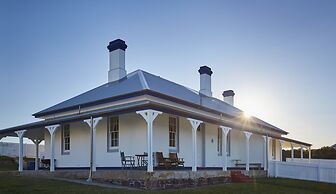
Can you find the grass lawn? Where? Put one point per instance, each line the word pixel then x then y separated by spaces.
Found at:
pixel 21 184
pixel 7 163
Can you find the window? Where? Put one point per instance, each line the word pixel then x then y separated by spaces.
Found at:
pixel 173 125
pixel 66 139
pixel 273 149
pixel 220 142
pixel 228 143
pixel 113 132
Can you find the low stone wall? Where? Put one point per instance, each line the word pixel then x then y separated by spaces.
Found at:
pixel 160 179
pixel 163 179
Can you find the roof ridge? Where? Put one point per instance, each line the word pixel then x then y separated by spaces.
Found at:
pixel 143 80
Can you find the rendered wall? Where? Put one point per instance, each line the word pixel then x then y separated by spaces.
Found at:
pixel 12 150
pixel 133 140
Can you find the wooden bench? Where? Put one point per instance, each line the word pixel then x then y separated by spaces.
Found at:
pixel 257 165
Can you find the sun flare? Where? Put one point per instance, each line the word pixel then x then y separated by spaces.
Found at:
pixel 246 115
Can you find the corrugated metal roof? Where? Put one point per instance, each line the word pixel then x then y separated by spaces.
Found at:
pixel 139 81
pixel 131 83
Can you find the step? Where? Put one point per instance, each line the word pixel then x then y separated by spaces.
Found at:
pixel 238 177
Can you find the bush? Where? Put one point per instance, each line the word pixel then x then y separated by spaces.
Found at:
pixel 6 158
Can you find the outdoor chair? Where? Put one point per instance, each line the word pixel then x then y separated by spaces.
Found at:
pixel 176 161
pixel 127 161
pixel 145 161
pixel 162 161
pixel 46 163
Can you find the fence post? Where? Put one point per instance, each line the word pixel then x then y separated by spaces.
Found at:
pixel 275 169
pixel 318 178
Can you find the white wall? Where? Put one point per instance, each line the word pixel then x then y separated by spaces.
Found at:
pixel 185 141
pixel 133 140
pixel 212 159
pixel 12 150
pixel 79 146
pixel 238 148
pixel 277 150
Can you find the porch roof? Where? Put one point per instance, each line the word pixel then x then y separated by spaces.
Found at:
pixel 293 141
pixel 131 107
pixel 140 82
pixel 122 109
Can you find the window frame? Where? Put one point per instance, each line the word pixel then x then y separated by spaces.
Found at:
pixel 228 144
pixel 176 147
pixel 273 149
pixel 111 148
pixel 220 142
pixel 63 138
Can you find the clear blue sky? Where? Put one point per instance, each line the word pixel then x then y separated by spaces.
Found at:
pixel 278 56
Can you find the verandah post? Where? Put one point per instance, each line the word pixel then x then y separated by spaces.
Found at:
pixel 225 131
pixel 52 129
pixel 247 142
pixel 149 116
pixel 194 125
pixel 20 135
pixel 92 122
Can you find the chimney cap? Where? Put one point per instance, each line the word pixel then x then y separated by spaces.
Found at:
pixel 117 44
pixel 228 93
pixel 205 70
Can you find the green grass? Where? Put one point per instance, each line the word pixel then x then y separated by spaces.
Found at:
pixel 22 184
pixel 7 164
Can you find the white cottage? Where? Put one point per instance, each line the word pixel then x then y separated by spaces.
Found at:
pixel 141 114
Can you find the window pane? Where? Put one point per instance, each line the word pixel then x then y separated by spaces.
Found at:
pixel 114 131
pixel 66 137
pixel 172 131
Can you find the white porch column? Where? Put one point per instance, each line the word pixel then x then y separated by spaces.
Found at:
pixel 225 131
pixel 292 151
pixel 281 142
pixel 93 122
pixel 149 116
pixel 20 135
pixel 37 143
pixel 247 138
pixel 194 125
pixel 52 129
pixel 265 151
pixel 302 152
pixel 309 152
pixel 269 139
pixel 269 156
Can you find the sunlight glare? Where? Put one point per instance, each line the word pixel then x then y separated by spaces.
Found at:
pixel 247 115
